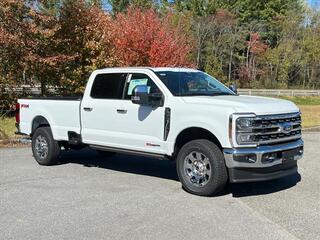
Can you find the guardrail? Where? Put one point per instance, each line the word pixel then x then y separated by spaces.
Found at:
pixel 278 92
pixel 30 90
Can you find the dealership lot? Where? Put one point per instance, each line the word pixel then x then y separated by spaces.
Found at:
pixel 125 197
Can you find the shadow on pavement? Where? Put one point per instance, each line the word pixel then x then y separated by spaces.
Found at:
pixel 123 163
pixel 261 188
pixel 167 170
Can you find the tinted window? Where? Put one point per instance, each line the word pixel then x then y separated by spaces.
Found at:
pixel 141 79
pixel 192 83
pixel 109 86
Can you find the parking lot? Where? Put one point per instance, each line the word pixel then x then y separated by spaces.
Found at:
pixel 125 197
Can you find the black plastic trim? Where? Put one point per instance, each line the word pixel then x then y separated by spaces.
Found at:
pixel 167 118
pixel 74 138
pixel 62 98
pixel 130 152
pixel 237 175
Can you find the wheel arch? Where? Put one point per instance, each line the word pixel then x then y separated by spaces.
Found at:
pixel 39 121
pixel 193 133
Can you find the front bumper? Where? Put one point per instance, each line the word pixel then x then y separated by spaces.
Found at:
pixel 263 162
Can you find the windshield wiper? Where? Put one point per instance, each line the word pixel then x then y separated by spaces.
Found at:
pixel 196 94
pixel 204 94
pixel 222 93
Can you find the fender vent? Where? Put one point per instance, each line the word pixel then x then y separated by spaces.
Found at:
pixel 167 116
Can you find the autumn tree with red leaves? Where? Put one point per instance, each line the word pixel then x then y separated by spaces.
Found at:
pixel 15 40
pixel 27 47
pixel 255 48
pixel 142 38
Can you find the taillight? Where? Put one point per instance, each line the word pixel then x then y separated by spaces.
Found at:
pixel 17 112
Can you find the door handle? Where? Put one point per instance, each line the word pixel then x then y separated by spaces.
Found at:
pixel 87 109
pixel 123 111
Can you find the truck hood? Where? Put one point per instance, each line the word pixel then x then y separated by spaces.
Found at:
pixel 245 104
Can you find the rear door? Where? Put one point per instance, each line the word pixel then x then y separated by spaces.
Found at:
pixel 100 110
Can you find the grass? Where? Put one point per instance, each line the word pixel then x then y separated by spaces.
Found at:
pixel 309 107
pixel 310 115
pixel 7 128
pixel 301 100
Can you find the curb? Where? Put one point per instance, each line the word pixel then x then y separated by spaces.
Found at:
pixel 14 142
pixel 311 129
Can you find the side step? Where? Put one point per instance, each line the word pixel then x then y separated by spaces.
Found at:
pixel 129 152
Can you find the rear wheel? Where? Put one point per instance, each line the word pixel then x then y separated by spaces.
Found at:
pixel 45 149
pixel 201 168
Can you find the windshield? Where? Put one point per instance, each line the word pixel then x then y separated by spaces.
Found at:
pixel 192 84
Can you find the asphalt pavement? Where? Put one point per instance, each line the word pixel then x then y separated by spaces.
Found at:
pixel 124 197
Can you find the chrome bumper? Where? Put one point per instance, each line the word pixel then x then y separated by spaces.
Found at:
pixel 232 154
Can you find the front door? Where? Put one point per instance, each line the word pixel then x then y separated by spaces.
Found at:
pixel 143 126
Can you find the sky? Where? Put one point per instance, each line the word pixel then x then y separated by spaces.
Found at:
pixel 314 3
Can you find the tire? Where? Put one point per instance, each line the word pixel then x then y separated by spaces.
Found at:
pixel 201 168
pixel 106 153
pixel 44 148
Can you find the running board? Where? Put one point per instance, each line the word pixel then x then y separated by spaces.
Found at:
pixel 129 152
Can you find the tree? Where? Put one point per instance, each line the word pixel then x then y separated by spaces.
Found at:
pixel 14 39
pixel 122 5
pixel 147 40
pixel 119 5
pixel 250 71
pixel 272 43
pixel 223 46
pixel 84 37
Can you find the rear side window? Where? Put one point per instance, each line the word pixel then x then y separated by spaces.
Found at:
pixel 108 86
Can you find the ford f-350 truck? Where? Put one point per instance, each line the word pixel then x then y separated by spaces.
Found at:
pixel 186 115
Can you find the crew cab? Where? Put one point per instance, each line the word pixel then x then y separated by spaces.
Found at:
pixel 186 115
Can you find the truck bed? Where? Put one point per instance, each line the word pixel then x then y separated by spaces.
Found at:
pixel 62 113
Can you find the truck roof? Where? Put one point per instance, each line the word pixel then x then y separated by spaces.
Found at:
pixel 155 69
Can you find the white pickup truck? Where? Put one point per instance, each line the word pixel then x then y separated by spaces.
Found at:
pixel 213 134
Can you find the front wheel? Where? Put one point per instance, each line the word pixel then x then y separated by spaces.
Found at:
pixel 45 149
pixel 201 168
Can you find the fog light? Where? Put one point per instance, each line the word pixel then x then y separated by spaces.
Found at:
pixel 269 157
pixel 251 158
pixel 300 152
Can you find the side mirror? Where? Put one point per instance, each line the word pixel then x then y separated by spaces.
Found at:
pixel 140 95
pixel 233 88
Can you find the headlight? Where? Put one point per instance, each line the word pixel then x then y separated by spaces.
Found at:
pixel 245 138
pixel 244 130
pixel 245 123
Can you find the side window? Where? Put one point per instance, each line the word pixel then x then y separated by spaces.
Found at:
pixel 140 79
pixel 108 86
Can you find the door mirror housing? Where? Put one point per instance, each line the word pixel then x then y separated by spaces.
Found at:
pixel 156 99
pixel 140 95
pixel 233 88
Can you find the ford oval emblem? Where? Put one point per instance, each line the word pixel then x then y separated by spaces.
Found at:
pixel 286 127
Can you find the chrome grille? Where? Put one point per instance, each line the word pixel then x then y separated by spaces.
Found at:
pixel 271 129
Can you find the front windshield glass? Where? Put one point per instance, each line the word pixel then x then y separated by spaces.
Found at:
pixel 192 84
